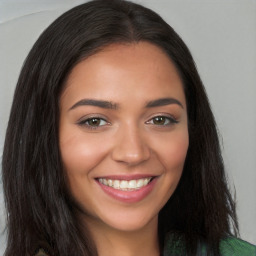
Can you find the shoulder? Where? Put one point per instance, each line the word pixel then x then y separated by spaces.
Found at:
pixel 41 252
pixel 236 247
pixel 42 248
pixel 229 246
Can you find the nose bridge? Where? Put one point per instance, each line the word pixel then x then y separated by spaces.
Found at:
pixel 131 146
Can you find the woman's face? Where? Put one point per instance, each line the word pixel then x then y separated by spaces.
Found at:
pixel 123 134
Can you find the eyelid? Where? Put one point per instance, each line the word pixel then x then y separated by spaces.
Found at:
pixel 173 120
pixel 90 116
pixel 82 121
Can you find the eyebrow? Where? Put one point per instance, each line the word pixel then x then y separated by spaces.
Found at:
pixel 163 102
pixel 96 103
pixel 110 105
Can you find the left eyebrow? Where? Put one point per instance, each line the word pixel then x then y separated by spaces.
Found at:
pixel 163 102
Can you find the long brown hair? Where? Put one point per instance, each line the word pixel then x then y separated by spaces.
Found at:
pixel 39 208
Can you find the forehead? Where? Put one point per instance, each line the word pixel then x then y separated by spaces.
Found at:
pixel 125 68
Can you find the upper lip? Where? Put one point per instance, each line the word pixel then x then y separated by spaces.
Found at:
pixel 127 177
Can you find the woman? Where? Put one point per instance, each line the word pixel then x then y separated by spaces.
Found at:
pixel 111 147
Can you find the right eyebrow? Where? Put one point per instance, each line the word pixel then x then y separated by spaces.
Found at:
pixel 96 103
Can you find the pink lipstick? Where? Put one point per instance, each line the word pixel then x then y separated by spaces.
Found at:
pixel 128 189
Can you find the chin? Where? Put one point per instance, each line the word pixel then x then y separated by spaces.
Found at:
pixel 132 224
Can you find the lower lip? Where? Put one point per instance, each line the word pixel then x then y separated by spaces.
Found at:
pixel 129 196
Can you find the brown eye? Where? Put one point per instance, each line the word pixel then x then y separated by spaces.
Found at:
pixel 160 120
pixel 94 122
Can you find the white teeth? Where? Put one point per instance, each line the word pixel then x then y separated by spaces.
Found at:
pixel 110 183
pixel 146 181
pixel 140 183
pixel 125 184
pixel 132 184
pixel 116 184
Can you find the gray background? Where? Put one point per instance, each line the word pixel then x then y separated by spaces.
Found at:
pixel 221 35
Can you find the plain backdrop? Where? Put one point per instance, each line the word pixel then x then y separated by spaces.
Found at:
pixel 221 35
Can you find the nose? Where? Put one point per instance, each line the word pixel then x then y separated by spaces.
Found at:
pixel 131 147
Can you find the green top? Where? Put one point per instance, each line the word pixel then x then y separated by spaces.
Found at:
pixel 228 247
pixel 237 247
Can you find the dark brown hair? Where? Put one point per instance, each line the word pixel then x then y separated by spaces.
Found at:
pixel 39 208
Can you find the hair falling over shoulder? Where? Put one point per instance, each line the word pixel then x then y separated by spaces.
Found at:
pixel 40 210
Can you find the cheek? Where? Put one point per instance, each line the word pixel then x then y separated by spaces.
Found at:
pixel 173 151
pixel 176 154
pixel 173 158
pixel 80 153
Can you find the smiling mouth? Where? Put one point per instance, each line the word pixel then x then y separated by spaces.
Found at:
pixel 126 185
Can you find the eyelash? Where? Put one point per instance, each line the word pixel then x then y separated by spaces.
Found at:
pixel 88 126
pixel 169 119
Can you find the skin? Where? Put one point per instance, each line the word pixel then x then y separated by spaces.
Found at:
pixel 127 139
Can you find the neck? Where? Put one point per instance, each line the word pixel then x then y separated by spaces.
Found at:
pixel 113 242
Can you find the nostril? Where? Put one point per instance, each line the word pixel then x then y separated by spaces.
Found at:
pixel 131 155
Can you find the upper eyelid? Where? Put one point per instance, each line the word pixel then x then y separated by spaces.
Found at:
pixel 91 116
pixel 170 120
pixel 170 116
pixel 84 123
